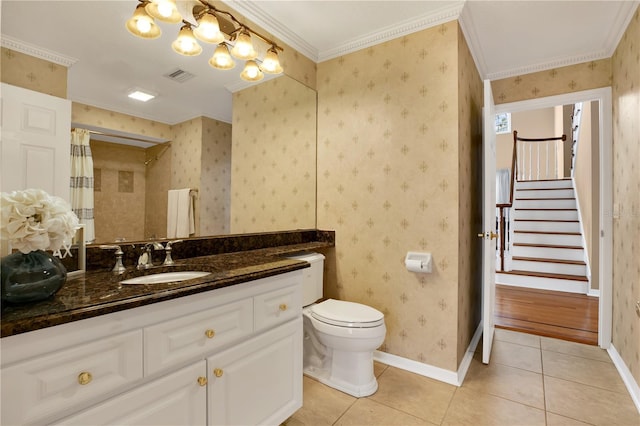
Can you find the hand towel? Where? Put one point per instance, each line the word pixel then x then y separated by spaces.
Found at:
pixel 180 218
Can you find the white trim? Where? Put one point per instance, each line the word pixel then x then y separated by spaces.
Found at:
pixel 594 292
pixel 447 376
pixel 581 223
pixel 543 66
pixel 627 377
pixel 252 10
pixel 37 51
pixel 603 95
pixel 539 283
pixel 625 14
pixel 473 41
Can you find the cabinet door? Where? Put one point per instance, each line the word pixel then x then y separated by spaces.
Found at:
pixel 47 386
pixel 175 399
pixel 259 381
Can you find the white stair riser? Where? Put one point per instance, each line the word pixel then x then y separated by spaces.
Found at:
pixel 548 253
pixel 545 204
pixel 569 286
pixel 554 239
pixel 548 267
pixel 547 226
pixel 545 193
pixel 546 214
pixel 533 184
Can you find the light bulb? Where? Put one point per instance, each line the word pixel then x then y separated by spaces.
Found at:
pixel 208 29
pixel 164 10
pixel 243 49
pixel 271 63
pixel 186 44
pixel 142 25
pixel 251 72
pixel 221 58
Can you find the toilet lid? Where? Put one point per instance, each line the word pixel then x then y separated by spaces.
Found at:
pixel 347 314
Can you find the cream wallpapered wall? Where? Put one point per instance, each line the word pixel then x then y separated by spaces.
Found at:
pixel 274 157
pixel 158 176
pixel 28 72
pixel 119 202
pixel 186 154
pixel 470 100
pixel 215 179
pixel 389 182
pixel 556 81
pixel 94 116
pixel 626 195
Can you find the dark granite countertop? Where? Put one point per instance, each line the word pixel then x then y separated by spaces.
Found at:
pixel 100 292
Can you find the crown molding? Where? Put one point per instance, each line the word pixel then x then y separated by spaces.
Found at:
pixel 37 51
pixel 622 20
pixel 543 66
pixel 252 11
pixel 471 35
pixel 429 20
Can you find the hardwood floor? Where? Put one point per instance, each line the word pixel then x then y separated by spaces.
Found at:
pixel 567 316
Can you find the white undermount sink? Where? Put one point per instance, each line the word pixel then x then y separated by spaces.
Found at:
pixel 166 277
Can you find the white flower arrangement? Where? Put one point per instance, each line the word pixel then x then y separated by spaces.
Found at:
pixel 34 220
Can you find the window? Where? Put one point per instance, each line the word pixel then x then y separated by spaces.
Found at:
pixel 503 123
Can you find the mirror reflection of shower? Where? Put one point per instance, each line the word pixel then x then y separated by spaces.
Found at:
pixel 166 146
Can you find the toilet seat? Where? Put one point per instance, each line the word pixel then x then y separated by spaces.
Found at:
pixel 347 314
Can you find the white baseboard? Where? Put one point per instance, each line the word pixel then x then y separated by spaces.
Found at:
pixel 625 373
pixel 447 376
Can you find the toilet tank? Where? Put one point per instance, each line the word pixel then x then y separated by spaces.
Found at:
pixel 312 277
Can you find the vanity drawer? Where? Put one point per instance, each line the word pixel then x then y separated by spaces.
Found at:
pixel 277 307
pixel 38 390
pixel 195 335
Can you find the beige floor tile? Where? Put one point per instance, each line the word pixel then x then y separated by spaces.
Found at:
pixel 322 405
pixel 378 368
pixel 589 404
pixel 572 348
pixel 516 337
pixel 557 420
pixel 469 407
pixel 516 355
pixel 370 413
pixel 417 395
pixel 507 382
pixel 583 370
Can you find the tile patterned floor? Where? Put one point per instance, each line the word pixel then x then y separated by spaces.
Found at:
pixel 531 380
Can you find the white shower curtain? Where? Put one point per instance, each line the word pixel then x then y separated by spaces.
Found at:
pixel 82 181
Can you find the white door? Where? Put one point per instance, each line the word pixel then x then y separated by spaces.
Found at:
pixel 36 141
pixel 488 222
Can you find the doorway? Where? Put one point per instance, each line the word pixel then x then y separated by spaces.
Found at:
pixel 604 225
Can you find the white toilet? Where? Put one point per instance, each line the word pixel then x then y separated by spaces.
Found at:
pixel 339 336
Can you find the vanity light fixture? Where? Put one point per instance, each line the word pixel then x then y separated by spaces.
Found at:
pixel 203 21
pixel 140 95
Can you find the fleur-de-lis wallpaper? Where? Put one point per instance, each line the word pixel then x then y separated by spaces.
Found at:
pixel 398 147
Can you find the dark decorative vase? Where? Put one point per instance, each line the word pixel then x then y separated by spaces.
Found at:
pixel 31 277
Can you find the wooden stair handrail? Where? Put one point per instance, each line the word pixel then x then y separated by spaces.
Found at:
pixel 514 165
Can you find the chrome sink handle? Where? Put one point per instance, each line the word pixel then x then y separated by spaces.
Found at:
pixel 119 267
pixel 168 261
pixel 145 261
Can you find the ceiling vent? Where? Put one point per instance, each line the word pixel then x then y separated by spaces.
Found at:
pixel 179 76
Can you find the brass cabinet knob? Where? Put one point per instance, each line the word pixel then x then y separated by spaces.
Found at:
pixel 210 333
pixel 85 378
pixel 492 235
pixel 283 307
pixel 218 372
pixel 202 381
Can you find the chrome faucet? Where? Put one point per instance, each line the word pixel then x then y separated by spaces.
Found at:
pixel 119 267
pixel 145 261
pixel 168 261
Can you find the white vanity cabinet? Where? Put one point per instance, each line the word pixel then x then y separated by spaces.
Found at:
pixel 225 356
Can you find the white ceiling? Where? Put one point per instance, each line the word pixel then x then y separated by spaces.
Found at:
pixel 506 38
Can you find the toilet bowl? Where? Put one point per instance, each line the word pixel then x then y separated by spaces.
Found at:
pixel 339 336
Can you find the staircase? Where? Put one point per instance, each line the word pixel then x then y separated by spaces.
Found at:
pixel 546 246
